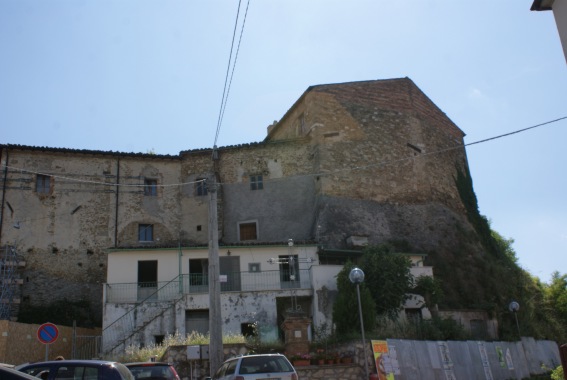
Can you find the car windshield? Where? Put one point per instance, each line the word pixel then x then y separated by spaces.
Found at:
pixel 264 364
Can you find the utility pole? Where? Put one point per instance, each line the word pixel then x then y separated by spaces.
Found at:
pixel 215 323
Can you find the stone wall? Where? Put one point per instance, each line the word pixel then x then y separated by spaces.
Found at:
pixel 375 159
pixel 199 369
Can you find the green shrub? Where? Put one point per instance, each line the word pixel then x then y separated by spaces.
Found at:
pixel 557 373
pixel 143 354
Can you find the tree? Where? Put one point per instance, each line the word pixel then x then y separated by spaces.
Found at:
pixel 388 278
pixel 556 296
pixel 345 308
pixel 430 289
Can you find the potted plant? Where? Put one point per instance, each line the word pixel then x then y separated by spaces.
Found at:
pixel 300 359
pixel 332 358
pixel 319 356
pixel 346 357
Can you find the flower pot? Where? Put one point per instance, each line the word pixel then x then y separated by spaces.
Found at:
pixel 346 360
pixel 298 363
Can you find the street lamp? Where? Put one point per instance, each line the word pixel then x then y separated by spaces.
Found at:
pixel 356 276
pixel 514 307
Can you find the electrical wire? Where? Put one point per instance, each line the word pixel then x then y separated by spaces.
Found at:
pixel 226 89
pixel 232 73
pixel 382 163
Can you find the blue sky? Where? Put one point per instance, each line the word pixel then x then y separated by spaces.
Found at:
pixel 140 75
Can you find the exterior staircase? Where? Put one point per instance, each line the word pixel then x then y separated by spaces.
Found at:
pixel 10 283
pixel 123 332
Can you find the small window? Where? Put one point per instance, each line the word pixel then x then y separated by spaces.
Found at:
pixel 248 329
pixel 256 182
pixel 146 232
pixel 248 231
pixel 254 267
pixel 201 187
pixel 302 124
pixel 43 184
pixel 158 339
pixel 413 315
pixel 150 187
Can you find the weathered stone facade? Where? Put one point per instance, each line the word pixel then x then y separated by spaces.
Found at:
pixel 375 159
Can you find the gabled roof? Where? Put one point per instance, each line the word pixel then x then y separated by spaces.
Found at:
pixel 85 151
pixel 398 94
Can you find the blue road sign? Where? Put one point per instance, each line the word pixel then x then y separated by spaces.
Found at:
pixel 47 333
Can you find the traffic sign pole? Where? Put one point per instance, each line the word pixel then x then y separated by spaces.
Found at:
pixel 47 334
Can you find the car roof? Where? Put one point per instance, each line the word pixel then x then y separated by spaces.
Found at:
pixel 68 362
pixel 12 374
pixel 147 364
pixel 253 355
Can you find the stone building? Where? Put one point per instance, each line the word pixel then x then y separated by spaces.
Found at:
pixel 348 164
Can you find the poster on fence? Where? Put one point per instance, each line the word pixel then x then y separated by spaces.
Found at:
pixel 446 360
pixel 386 360
pixel 484 360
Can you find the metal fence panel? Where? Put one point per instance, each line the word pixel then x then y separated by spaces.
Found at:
pixel 461 360
pixel 479 353
pixel 456 360
pixel 429 367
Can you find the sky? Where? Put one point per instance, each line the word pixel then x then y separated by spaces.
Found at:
pixel 149 75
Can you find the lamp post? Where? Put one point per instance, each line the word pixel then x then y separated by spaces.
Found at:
pixel 514 307
pixel 356 276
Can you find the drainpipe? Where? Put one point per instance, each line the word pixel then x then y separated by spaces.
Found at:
pixel 116 207
pixel 3 190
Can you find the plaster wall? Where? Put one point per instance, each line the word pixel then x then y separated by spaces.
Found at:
pixel 122 264
pixel 285 207
pixel 123 268
pixel 325 293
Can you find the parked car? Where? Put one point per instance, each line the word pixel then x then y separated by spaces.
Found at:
pixel 256 367
pixel 153 371
pixel 9 373
pixel 77 369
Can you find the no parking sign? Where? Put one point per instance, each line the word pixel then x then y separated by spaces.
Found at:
pixel 47 333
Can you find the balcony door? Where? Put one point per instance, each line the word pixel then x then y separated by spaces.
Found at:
pixel 289 272
pixel 199 275
pixel 230 267
pixel 197 321
pixel 147 279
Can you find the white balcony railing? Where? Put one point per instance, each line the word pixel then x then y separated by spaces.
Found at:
pixel 199 283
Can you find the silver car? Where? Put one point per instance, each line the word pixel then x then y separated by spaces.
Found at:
pixel 256 367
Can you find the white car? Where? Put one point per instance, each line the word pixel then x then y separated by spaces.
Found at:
pixel 256 367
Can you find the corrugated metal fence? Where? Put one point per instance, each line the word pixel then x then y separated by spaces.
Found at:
pixel 455 360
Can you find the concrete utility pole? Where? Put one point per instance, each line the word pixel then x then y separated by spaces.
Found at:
pixel 215 326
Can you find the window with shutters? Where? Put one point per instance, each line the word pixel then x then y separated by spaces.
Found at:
pixel 248 231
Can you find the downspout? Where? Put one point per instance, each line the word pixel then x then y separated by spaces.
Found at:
pixel 116 207
pixel 3 189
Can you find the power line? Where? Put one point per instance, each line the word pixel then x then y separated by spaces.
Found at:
pixel 518 131
pixel 226 81
pixel 233 66
pixel 98 182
